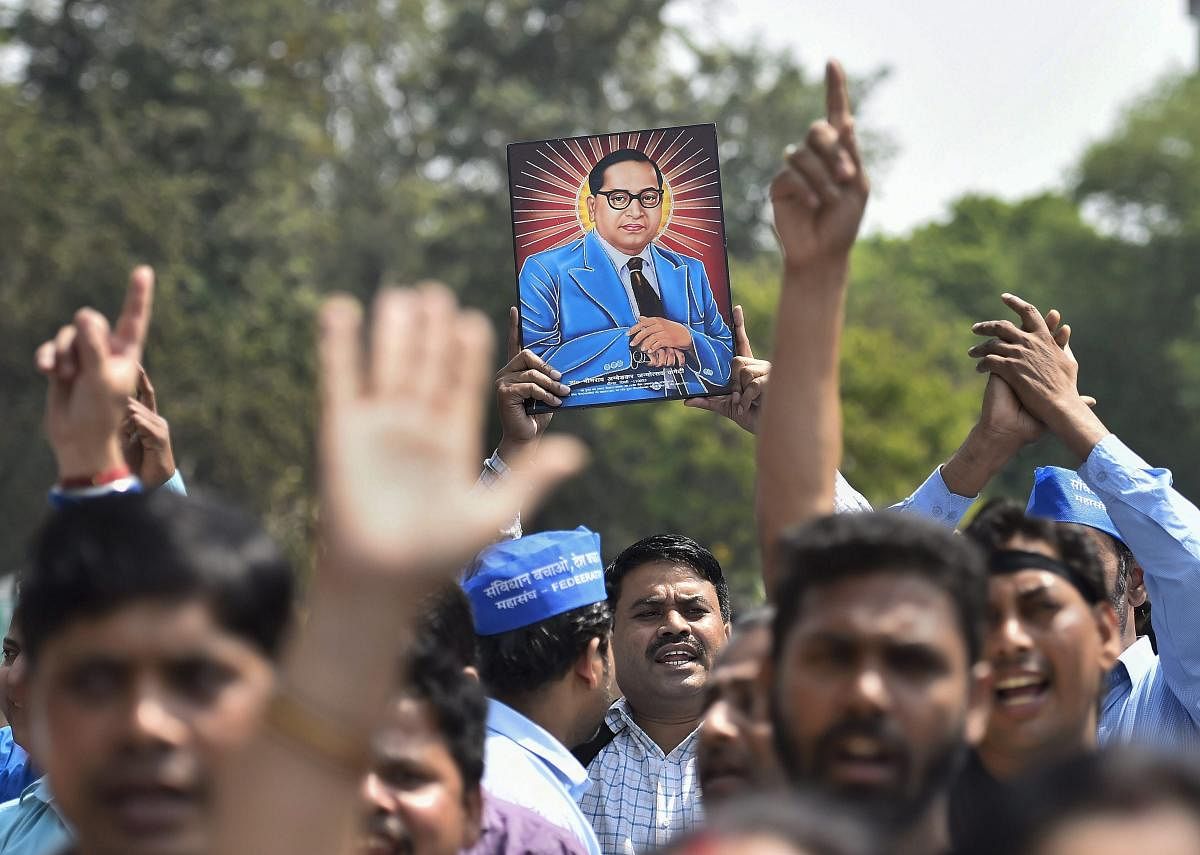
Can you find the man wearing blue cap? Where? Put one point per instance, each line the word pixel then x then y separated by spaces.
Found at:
pixel 1051 641
pixel 544 629
pixel 1152 698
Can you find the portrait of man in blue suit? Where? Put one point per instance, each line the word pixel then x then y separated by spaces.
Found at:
pixel 622 318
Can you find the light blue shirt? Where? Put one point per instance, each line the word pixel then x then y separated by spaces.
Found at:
pixel 525 765
pixel 932 499
pixel 1153 699
pixel 30 825
pixel 175 484
pixel 16 769
pixel 621 262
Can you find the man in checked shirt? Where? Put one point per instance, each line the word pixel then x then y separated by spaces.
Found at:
pixel 670 605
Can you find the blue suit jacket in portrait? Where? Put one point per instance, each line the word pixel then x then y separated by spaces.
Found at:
pixel 575 314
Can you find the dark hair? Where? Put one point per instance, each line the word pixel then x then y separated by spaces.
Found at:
pixel 809 822
pixel 844 546
pixel 446 623
pixel 1115 782
pixel 1000 520
pixel 436 677
pixel 95 557
pixel 759 616
pixel 596 176
pixel 520 661
pixel 676 549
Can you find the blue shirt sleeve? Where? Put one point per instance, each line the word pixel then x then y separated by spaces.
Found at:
pixel 16 771
pixel 1162 530
pixel 175 484
pixel 934 501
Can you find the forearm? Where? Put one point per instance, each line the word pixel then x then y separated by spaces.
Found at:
pixel 1077 427
pixel 282 797
pixel 977 461
pixel 800 436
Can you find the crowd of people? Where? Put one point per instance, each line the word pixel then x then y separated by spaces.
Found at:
pixel 448 683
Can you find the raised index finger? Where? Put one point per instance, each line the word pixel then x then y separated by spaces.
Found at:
pixel 837 96
pixel 135 314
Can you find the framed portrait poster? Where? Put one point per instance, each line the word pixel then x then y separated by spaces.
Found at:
pixel 622 274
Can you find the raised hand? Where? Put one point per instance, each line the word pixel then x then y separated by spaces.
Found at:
pixel 147 436
pixel 400 441
pixel 524 376
pixel 92 370
pixel 821 193
pixel 1036 364
pixel 748 378
pixel 1003 419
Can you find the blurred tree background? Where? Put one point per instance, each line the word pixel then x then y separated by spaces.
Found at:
pixel 262 153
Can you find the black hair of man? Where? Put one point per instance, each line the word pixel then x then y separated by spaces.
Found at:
pixel 596 176
pixel 517 663
pixel 1114 783
pixel 446 622
pixel 807 821
pixel 832 549
pixel 459 708
pixel 1000 520
pixel 674 549
pixel 93 558
pixel 755 618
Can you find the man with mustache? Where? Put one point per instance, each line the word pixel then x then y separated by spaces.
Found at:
pixel 1051 639
pixel 735 755
pixel 876 678
pixel 670 606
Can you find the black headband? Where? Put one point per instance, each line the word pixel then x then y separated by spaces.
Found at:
pixel 1006 561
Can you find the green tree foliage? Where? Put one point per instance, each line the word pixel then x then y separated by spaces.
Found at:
pixel 264 152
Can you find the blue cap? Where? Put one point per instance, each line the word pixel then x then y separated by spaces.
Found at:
pixel 1061 495
pixel 521 582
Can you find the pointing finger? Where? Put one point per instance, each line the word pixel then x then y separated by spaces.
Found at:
pixel 837 96
pixel 135 314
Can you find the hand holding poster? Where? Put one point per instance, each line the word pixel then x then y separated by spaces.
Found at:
pixel 622 274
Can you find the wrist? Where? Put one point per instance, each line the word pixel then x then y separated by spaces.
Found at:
pixel 84 463
pixel 979 459
pixel 511 449
pixel 834 268
pixel 1078 428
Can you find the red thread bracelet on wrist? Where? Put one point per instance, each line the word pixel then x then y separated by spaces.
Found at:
pixel 105 477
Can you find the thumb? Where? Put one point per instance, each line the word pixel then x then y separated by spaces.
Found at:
pixel 710 404
pixel 514 332
pixel 741 341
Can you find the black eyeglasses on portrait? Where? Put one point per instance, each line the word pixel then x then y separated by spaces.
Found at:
pixel 619 200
